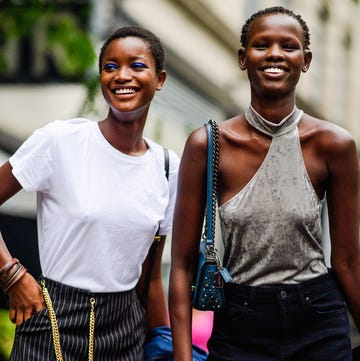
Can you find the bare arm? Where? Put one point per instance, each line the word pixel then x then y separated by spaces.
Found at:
pixel 157 311
pixel 25 296
pixel 9 186
pixel 188 219
pixel 344 207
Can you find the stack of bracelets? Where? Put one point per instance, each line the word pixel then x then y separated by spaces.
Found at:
pixel 11 273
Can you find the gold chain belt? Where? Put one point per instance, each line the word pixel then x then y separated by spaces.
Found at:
pixel 55 328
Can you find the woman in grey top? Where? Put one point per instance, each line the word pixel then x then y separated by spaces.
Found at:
pixel 278 167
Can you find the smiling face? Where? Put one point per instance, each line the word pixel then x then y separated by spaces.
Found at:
pixel 274 56
pixel 128 75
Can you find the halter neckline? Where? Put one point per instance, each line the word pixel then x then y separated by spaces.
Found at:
pixel 286 125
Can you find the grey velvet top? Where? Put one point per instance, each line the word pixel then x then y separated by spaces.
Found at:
pixel 272 228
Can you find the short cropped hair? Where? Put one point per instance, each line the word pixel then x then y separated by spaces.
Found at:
pixel 244 38
pixel 147 36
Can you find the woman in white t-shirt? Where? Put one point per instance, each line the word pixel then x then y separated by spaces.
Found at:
pixel 102 194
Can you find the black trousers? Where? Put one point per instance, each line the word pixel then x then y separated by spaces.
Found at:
pixel 303 322
pixel 119 327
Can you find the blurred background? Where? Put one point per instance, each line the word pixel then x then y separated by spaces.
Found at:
pixel 48 71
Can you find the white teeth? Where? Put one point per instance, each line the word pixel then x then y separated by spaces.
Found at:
pixel 274 70
pixel 124 91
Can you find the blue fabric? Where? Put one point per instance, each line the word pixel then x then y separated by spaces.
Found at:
pixel 207 294
pixel 158 346
pixel 302 322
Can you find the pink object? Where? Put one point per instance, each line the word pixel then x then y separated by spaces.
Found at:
pixel 202 327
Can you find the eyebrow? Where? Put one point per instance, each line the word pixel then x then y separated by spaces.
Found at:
pixel 282 37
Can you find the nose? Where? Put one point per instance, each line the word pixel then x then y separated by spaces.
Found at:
pixel 123 74
pixel 275 51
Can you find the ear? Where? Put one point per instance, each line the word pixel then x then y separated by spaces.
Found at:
pixel 307 61
pixel 242 58
pixel 161 79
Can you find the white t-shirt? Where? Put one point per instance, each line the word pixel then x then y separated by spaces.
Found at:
pixel 98 209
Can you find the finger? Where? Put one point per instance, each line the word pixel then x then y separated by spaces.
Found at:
pixel 27 313
pixel 12 315
pixel 39 308
pixel 39 305
pixel 19 317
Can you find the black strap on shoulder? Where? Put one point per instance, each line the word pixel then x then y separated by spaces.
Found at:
pixel 166 160
pixel 155 244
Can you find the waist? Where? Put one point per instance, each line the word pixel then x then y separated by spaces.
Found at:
pixel 316 285
pixel 58 289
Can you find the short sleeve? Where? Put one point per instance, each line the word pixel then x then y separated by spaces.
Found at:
pixel 32 164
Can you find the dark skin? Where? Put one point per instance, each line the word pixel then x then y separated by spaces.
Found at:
pixel 129 81
pixel 274 60
pixel 156 301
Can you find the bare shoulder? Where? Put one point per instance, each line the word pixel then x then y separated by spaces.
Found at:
pixel 234 128
pixel 196 143
pixel 197 138
pixel 328 137
pixel 232 122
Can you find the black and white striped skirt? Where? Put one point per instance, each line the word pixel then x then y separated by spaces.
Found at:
pixel 119 330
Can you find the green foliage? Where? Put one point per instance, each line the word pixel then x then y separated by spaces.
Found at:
pixel 7 330
pixel 18 20
pixel 64 35
pixel 92 86
pixel 60 25
pixel 73 47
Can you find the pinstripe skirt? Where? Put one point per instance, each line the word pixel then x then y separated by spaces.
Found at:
pixel 119 330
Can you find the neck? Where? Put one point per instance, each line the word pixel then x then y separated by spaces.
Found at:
pixel 273 110
pixel 126 136
pixel 273 129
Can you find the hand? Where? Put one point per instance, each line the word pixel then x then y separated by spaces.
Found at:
pixel 25 299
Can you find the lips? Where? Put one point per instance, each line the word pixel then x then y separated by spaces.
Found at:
pixel 123 91
pixel 274 70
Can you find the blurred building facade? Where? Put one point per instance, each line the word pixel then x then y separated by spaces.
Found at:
pixel 201 38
